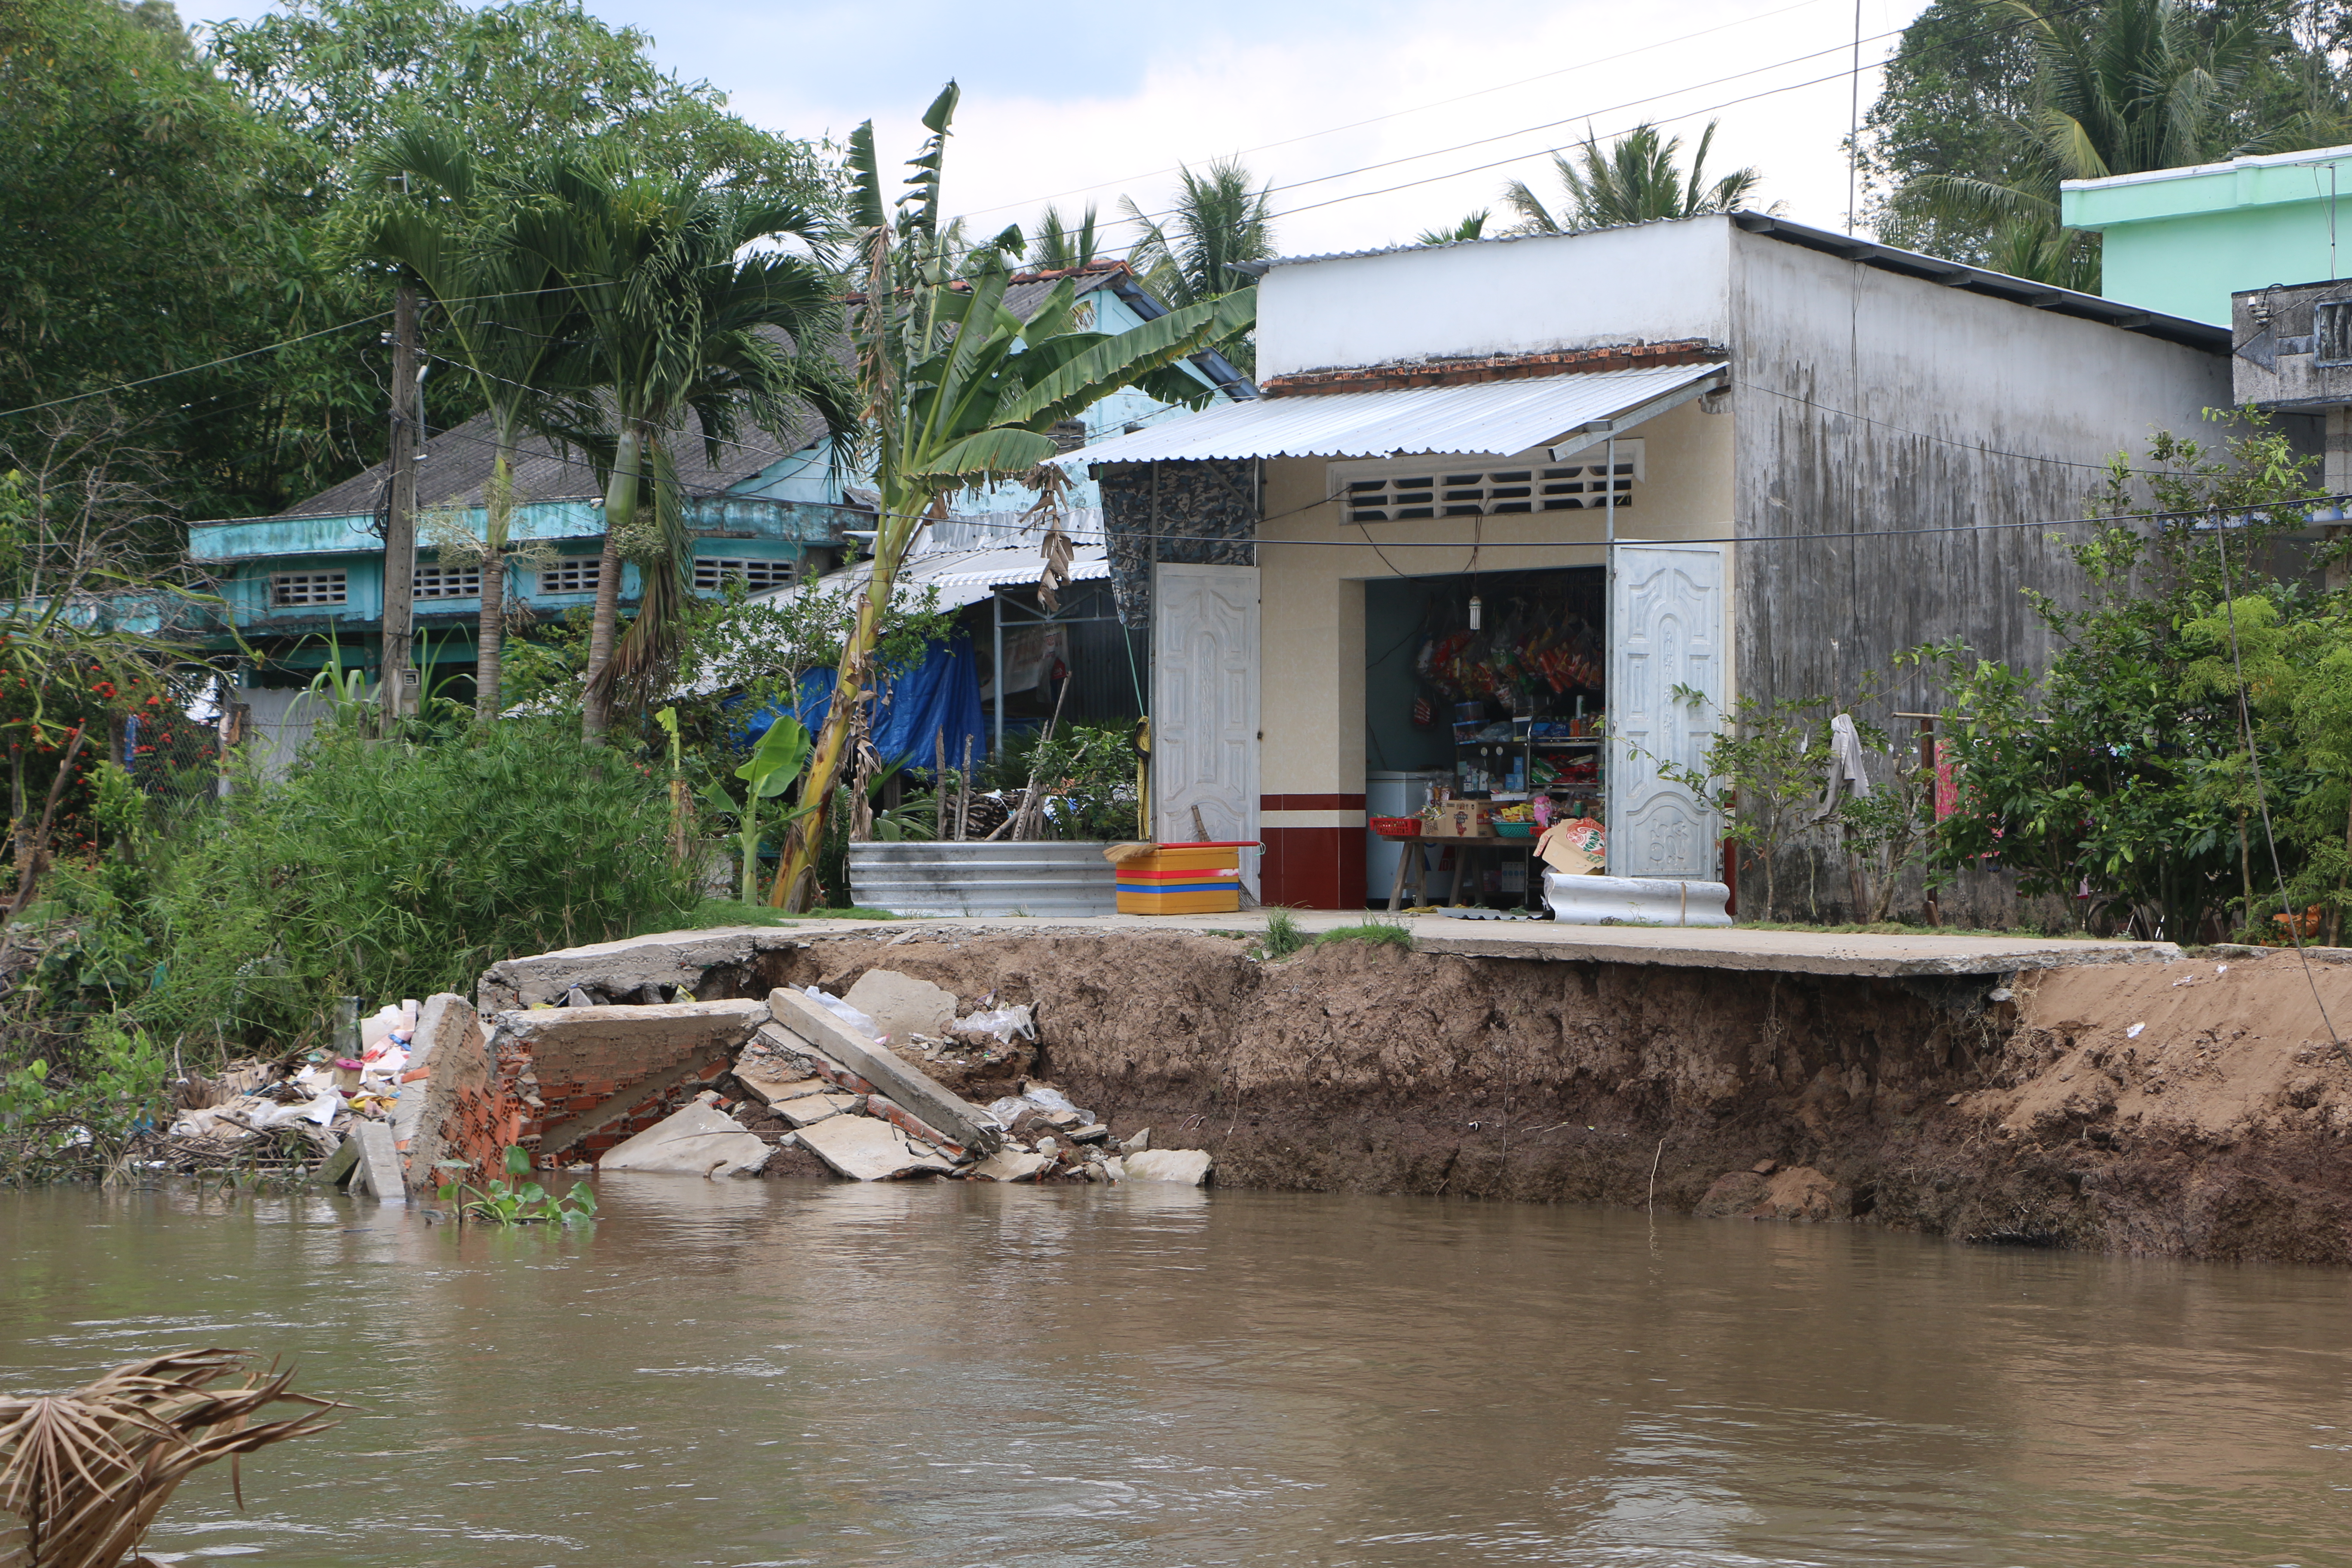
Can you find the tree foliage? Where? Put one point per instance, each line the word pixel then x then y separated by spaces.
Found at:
pixel 2120 778
pixel 1990 104
pixel 1636 179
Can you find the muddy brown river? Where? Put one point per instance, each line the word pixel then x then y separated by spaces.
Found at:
pixel 769 1373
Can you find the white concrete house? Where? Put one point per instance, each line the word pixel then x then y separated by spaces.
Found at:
pixel 1728 455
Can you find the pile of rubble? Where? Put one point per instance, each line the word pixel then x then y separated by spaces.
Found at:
pixel 820 1074
pixel 292 1113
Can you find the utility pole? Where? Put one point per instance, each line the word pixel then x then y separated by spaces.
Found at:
pixel 398 692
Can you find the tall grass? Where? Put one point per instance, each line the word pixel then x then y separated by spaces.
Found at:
pixel 384 868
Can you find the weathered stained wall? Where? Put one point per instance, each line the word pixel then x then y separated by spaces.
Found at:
pixel 1879 420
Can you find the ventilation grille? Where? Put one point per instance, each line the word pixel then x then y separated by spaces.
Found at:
pixel 712 572
pixel 574 575
pixel 1377 492
pixel 308 588
pixel 448 581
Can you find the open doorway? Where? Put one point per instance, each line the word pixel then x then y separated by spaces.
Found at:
pixel 1507 711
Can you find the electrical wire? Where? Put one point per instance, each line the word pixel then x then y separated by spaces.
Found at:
pixel 1417 108
pixel 191 370
pixel 2262 802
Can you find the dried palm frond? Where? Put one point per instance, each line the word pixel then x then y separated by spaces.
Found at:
pixel 85 1473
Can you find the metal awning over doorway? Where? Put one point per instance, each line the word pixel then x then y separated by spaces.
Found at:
pixel 1501 417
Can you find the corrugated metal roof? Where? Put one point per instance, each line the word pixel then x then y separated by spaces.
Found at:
pixel 1498 417
pixel 962 576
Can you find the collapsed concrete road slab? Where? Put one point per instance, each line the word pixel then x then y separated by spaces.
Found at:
pixel 690 962
pixel 699 1140
pixel 603 1074
pixel 866 1149
pixel 921 1095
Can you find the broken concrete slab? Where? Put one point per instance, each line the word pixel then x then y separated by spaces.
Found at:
pixel 901 1004
pixel 598 1064
pixel 337 1168
pixel 716 962
pixel 699 1140
pixel 774 1041
pixel 377 1171
pixel 1187 1167
pixel 1137 1144
pixel 910 1087
pixel 1008 1166
pixel 771 1092
pixel 866 1150
pixel 811 1108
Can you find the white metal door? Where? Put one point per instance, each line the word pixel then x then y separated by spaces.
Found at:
pixel 1665 633
pixel 1204 736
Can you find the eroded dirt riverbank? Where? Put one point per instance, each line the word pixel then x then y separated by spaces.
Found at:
pixel 1962 1106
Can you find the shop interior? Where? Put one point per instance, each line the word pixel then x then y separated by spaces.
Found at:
pixel 1484 686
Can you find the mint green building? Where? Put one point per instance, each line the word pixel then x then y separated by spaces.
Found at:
pixel 2182 241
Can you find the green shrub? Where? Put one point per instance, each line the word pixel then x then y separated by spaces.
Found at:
pixel 1283 936
pixel 390 868
pixel 79 1117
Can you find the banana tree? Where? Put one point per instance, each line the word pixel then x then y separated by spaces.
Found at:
pixel 507 319
pixel 960 391
pixel 773 766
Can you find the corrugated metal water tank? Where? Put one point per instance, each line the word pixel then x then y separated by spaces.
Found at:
pixel 967 878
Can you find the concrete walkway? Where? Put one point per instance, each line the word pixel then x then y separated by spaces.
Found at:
pixel 679 957
pixel 1783 952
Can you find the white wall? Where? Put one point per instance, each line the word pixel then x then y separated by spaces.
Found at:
pixel 1659 282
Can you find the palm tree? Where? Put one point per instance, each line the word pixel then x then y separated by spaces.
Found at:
pixel 1635 181
pixel 959 391
pixel 1471 227
pixel 2143 87
pixel 685 324
pixel 1218 221
pixel 505 316
pixel 1055 247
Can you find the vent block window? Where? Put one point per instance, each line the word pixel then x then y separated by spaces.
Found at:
pixel 2331 331
pixel 308 588
pixel 712 572
pixel 1405 489
pixel 572 574
pixel 448 581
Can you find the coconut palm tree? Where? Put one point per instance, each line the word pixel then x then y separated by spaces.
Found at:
pixel 1636 180
pixel 1471 227
pixel 1218 221
pixel 1055 247
pixel 685 325
pixel 507 319
pixel 2147 84
pixel 958 392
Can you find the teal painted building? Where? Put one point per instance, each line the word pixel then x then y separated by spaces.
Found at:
pixel 767 510
pixel 2181 241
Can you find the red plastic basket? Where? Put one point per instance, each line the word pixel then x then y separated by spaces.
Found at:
pixel 1395 826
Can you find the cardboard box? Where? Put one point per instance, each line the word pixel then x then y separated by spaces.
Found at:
pixel 1459 819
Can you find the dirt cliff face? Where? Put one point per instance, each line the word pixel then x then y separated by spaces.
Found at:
pixel 1947 1106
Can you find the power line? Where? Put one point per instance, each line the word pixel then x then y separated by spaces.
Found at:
pixel 1418 109
pixel 191 370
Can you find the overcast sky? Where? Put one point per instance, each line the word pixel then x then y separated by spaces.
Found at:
pixel 1450 98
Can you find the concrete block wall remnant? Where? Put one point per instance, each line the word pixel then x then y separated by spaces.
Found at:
pixel 464 1112
pixel 600 1075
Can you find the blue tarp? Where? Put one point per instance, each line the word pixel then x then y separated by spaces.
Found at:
pixel 941 693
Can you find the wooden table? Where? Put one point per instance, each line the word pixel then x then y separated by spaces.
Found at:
pixel 1411 866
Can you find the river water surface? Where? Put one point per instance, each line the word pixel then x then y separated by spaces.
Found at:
pixel 763 1372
